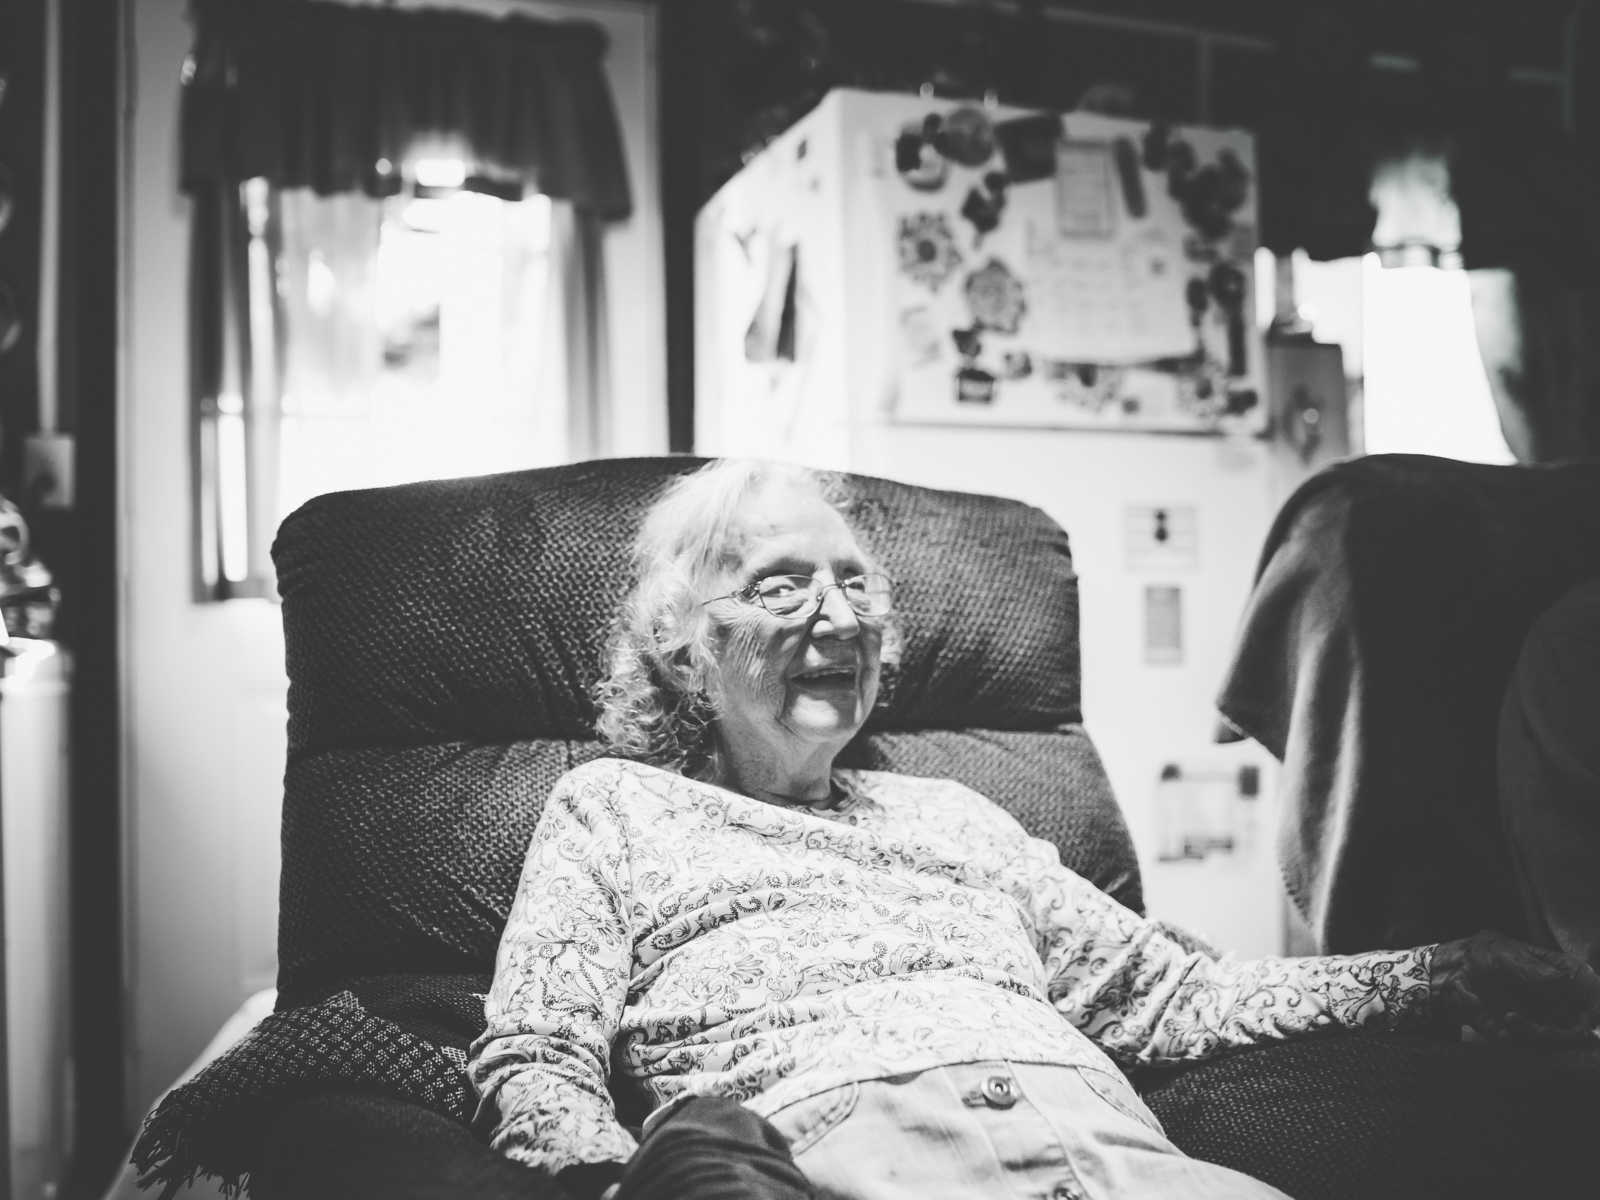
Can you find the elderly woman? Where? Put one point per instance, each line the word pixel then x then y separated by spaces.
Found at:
pixel 913 991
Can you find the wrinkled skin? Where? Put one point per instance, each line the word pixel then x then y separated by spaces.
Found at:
pixel 1504 989
pixel 779 724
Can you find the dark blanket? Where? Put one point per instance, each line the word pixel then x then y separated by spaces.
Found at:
pixel 404 1036
pixel 1390 603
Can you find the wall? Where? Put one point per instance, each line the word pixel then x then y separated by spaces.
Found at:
pixel 203 693
pixel 1141 715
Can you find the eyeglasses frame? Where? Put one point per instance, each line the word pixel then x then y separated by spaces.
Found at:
pixel 750 595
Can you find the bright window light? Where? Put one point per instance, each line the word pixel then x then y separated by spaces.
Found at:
pixel 1425 387
pixel 440 172
pixel 454 304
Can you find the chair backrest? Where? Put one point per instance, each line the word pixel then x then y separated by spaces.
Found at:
pixel 442 640
pixel 1390 603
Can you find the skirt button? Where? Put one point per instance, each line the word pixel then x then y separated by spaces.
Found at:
pixel 999 1091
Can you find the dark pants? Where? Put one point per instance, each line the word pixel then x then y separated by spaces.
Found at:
pixel 713 1149
pixel 1549 767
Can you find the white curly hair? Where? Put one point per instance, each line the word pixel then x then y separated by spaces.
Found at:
pixel 653 702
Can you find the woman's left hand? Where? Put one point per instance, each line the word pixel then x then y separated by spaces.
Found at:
pixel 1503 988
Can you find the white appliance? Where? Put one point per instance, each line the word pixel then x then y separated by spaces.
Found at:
pixel 988 299
pixel 34 696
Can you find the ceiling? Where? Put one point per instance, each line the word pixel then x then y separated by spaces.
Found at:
pixel 1528 32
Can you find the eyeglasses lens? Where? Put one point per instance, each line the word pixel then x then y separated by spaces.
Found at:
pixel 792 595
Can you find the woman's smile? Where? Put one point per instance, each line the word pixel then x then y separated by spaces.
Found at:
pixel 829 675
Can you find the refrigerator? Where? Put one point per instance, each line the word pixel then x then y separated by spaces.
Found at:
pixel 1058 307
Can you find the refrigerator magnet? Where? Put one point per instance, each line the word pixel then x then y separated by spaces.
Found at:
pixel 969 342
pixel 1016 364
pixel 1227 285
pixel 1131 176
pixel 1028 145
pixel 982 208
pixel 919 162
pixel 1203 199
pixel 1202 393
pixel 928 254
pixel 1154 145
pixel 996 297
pixel 1240 401
pixel 974 385
pixel 966 137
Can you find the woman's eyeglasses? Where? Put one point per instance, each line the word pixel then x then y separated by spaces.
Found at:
pixel 797 596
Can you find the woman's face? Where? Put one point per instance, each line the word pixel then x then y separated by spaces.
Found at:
pixel 789 688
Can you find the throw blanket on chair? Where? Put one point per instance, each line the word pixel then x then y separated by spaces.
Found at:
pixel 1390 603
pixel 402 1035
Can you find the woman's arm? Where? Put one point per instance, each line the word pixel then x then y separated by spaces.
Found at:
pixel 561 978
pixel 1146 999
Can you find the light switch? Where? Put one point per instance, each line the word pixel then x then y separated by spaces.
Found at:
pixel 1164 537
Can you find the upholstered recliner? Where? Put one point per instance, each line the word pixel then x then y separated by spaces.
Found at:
pixel 442 639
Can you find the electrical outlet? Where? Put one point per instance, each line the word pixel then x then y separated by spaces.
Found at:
pixel 47 470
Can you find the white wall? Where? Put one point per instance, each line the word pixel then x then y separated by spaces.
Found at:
pixel 1141 715
pixel 203 685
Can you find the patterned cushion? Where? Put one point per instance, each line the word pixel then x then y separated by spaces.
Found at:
pixel 442 639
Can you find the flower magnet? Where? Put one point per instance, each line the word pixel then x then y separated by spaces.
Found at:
pixel 928 251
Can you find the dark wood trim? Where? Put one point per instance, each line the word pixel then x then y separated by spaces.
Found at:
pixel 91 193
pixel 680 36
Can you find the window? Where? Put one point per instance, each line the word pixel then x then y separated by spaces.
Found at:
pixel 1426 391
pixel 388 340
pixel 1418 383
pixel 454 304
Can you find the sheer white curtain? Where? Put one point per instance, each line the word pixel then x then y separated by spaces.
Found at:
pixel 422 336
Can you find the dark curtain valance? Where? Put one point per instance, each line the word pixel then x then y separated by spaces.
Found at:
pixel 332 97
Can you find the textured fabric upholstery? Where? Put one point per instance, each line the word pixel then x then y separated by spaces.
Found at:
pixel 443 638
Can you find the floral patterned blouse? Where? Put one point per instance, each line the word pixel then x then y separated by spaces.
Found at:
pixel 673 938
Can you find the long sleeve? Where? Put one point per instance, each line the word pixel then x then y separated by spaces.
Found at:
pixel 561 978
pixel 1144 998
